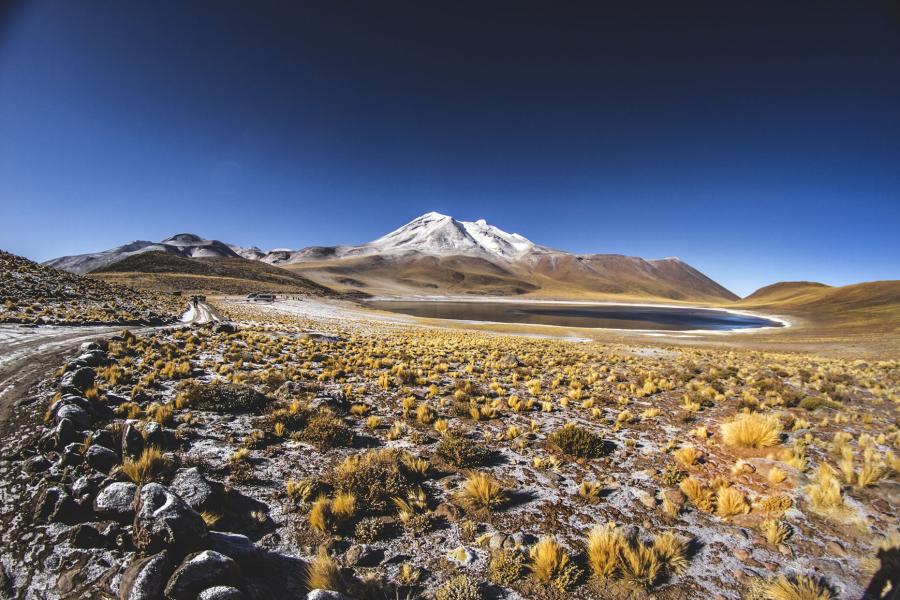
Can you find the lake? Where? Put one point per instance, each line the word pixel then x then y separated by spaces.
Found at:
pixel 608 316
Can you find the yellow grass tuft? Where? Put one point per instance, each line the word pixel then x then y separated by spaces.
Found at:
pixel 481 491
pixel 323 573
pixel 550 564
pixel 752 430
pixel 152 465
pixel 797 588
pixel 603 547
pixel 730 502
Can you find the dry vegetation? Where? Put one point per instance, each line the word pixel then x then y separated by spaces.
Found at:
pixel 474 462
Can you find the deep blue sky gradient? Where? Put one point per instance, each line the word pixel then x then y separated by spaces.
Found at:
pixel 757 140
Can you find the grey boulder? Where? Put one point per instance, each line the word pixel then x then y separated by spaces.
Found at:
pixel 200 571
pixel 164 521
pixel 116 501
pixel 145 579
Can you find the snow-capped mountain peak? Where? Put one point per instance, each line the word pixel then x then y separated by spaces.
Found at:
pixel 442 235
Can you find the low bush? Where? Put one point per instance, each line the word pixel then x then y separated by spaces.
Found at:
pixel 576 441
pixel 461 452
pixel 224 397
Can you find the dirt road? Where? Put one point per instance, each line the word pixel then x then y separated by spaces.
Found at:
pixel 29 354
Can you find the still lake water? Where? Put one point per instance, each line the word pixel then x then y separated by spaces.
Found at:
pixel 610 316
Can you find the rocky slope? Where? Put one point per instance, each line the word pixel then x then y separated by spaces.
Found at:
pixel 33 293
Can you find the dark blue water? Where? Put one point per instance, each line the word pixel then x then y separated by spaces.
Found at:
pixel 579 315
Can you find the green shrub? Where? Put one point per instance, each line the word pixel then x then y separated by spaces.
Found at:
pixel 506 567
pixel 374 477
pixel 576 441
pixel 224 397
pixel 461 452
pixel 460 587
pixel 325 431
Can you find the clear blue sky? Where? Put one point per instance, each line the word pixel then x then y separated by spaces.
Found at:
pixel 759 141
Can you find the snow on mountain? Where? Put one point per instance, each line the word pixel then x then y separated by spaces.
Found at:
pixel 183 244
pixel 441 235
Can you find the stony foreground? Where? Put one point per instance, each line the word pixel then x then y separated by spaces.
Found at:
pixel 264 461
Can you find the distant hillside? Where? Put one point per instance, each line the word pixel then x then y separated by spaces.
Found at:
pixel 234 275
pixel 433 254
pixel 785 290
pixel 805 294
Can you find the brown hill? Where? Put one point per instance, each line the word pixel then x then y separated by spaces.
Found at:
pixel 171 272
pixel 544 274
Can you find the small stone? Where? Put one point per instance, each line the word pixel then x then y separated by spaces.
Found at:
pixel 221 592
pixel 54 504
pixel 79 416
pixel 741 554
pixel 36 464
pixel 447 511
pixel 199 493
pixel 835 549
pixel 326 595
pixel 79 380
pixel 497 540
pixel 647 499
pixel 86 535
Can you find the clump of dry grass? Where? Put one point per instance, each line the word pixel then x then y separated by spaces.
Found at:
pixel 797 588
pixel 730 502
pixel 603 548
pixel 374 477
pixel 323 573
pixel 612 555
pixel 775 531
pixel 151 465
pixel 752 430
pixel 551 565
pixel 506 567
pixel 825 494
pixel 460 587
pixel 698 494
pixel 482 492
pixel 461 452
pixel 688 456
pixel 329 515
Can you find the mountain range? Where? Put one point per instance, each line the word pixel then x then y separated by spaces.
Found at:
pixel 437 254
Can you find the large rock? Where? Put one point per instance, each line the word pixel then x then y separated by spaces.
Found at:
pixel 236 546
pixel 65 433
pixel 145 579
pixel 79 380
pixel 116 501
pixel 90 358
pixel 164 521
pixel 200 493
pixel 101 458
pixel 132 441
pixel 53 505
pixel 200 571
pixel 79 416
